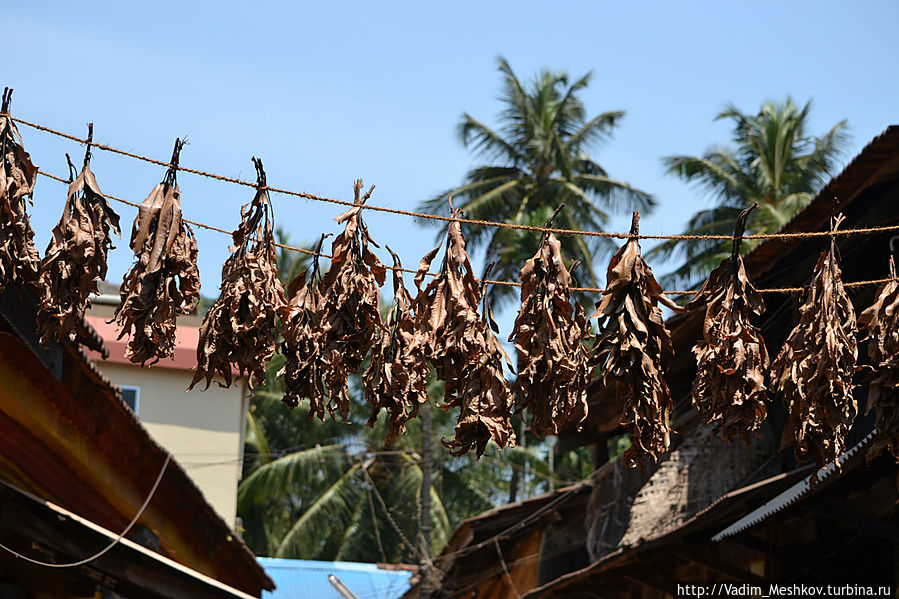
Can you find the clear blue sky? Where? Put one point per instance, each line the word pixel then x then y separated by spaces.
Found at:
pixel 328 92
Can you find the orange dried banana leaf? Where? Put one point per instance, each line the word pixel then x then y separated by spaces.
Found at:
pixel 553 369
pixel 350 309
pixel 164 281
pixel 732 361
pixel 238 331
pixel 465 353
pixel 304 369
pixel 397 378
pixel 76 258
pixel 881 321
pixel 19 260
pixel 630 345
pixel 814 369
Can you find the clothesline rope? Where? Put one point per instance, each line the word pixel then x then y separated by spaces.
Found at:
pixel 488 281
pixel 476 222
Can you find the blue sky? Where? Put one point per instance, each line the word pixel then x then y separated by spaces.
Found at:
pixel 328 92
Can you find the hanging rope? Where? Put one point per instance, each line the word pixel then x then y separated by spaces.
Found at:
pixel 468 221
pixel 598 290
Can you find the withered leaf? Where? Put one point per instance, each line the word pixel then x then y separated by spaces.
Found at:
pixel 463 350
pixel 732 362
pixel 350 309
pixel 238 331
pixel 304 369
pixel 397 378
pixel 164 281
pixel 629 348
pixel 76 257
pixel 548 333
pixel 815 366
pixel 19 258
pixel 881 320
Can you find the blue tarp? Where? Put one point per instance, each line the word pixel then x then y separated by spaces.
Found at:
pixel 299 579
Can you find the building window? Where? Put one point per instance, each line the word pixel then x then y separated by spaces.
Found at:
pixel 131 396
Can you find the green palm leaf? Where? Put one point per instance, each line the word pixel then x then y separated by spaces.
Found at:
pixel 539 160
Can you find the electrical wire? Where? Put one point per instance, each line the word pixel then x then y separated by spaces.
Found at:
pixel 115 541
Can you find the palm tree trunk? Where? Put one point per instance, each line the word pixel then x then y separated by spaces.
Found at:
pixel 425 587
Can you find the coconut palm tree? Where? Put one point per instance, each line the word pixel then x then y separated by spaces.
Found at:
pixel 774 161
pixel 537 159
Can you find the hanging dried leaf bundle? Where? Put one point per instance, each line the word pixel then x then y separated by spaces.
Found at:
pixel 164 281
pixel 630 344
pixel 350 311
pixel 397 378
pixel 882 323
pixel 239 329
pixel 815 366
pixel 548 333
pixel 304 369
pixel 732 361
pixel 76 256
pixel 464 352
pixel 19 259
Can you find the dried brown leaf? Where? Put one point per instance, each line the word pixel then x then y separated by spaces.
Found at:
pixel 815 367
pixel 19 260
pixel 732 360
pixel 881 320
pixel 350 308
pixel 304 369
pixel 548 333
pixel 397 378
pixel 164 281
pixel 239 328
pixel 463 350
pixel 629 348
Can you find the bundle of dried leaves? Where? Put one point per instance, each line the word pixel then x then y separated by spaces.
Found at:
pixel 350 311
pixel 239 329
pixel 732 361
pixel 548 333
pixel 882 323
pixel 462 348
pixel 19 259
pixel 304 369
pixel 630 344
pixel 164 281
pixel 76 257
pixel 397 378
pixel 815 366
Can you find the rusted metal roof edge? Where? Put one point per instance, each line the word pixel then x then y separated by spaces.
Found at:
pixel 791 495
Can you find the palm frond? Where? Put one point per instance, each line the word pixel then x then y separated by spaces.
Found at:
pixel 333 508
pixel 295 470
pixel 256 437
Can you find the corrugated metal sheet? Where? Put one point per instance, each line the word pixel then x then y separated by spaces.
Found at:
pixel 790 496
pixel 298 579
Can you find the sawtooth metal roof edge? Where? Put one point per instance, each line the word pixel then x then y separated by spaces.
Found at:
pixel 791 495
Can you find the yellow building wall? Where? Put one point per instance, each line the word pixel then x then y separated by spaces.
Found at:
pixel 204 430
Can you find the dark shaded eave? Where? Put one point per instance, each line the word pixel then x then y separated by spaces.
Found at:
pixel 136 570
pixel 115 464
pixel 723 510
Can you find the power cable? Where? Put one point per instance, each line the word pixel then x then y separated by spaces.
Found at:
pixel 115 542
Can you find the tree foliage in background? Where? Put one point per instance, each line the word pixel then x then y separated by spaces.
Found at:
pixel 537 159
pixel 774 161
